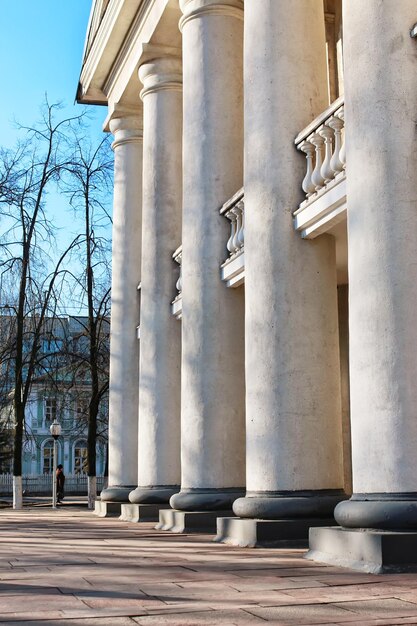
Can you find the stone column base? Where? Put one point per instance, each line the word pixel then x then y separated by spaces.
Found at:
pixel 153 495
pixel 190 521
pixel 256 533
pixel 198 500
pixel 141 512
pixel 116 493
pixel 107 509
pixel 366 550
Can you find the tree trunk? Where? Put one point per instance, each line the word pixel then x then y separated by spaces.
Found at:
pixel 92 491
pixel 17 492
pixel 19 412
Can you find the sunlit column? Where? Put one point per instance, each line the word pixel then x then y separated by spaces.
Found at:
pixel 160 343
pixel 212 411
pixel 293 406
pixel 126 271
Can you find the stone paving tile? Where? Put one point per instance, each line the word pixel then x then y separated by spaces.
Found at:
pixel 404 594
pixel 303 614
pixel 268 599
pixel 345 592
pixel 79 587
pixel 397 621
pixel 387 607
pixel 17 589
pixel 106 598
pixel 88 612
pixel 70 567
pixel 278 572
pixel 350 579
pixel 103 621
pixel 226 618
pixel 249 584
pixel 152 574
pixel 34 602
pixel 32 617
pixel 216 595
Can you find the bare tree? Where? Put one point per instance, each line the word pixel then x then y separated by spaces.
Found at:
pixel 30 275
pixel 88 185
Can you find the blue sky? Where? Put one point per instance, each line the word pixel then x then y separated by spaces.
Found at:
pixel 41 48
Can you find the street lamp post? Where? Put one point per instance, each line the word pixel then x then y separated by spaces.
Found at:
pixel 55 429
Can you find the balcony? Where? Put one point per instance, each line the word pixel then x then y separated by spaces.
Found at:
pixel 324 184
pixel 322 210
pixel 233 268
pixel 176 304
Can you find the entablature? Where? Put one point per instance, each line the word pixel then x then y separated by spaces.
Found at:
pixel 129 34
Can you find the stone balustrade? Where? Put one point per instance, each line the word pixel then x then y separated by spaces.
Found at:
pixel 324 148
pixel 236 215
pixel 233 269
pixel 323 144
pixel 176 304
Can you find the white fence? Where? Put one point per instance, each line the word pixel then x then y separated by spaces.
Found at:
pixel 36 485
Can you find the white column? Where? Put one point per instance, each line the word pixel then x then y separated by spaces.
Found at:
pixel 124 346
pixel 381 114
pixel 293 406
pixel 159 434
pixel 212 411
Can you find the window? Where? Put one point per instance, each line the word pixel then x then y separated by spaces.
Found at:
pixel 6 457
pixel 52 346
pixel 82 408
pixel 48 457
pixel 50 410
pixel 80 458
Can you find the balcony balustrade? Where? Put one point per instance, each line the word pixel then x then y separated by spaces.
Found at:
pixel 324 205
pixel 324 184
pixel 233 269
pixel 176 304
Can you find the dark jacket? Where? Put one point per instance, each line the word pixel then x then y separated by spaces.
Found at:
pixel 60 482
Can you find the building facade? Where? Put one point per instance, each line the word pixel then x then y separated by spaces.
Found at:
pixel 60 391
pixel 71 411
pixel 263 244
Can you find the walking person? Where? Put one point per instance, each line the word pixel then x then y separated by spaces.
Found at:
pixel 60 482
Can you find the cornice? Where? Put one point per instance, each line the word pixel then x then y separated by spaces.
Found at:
pixel 96 16
pixel 115 14
pixel 136 49
pixel 128 43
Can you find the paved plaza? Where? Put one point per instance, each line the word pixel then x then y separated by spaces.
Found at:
pixel 70 567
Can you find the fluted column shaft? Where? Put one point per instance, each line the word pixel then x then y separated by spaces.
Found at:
pixel 124 345
pixel 160 352
pixel 293 406
pixel 212 412
pixel 381 113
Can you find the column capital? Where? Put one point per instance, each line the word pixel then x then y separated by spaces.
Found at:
pixel 195 8
pixel 161 74
pixel 126 129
